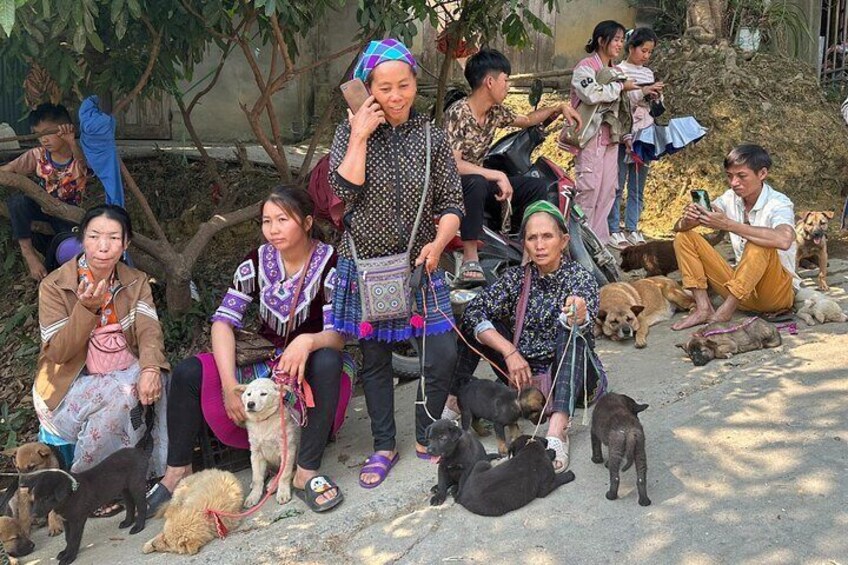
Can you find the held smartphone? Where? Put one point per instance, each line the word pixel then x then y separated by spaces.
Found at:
pixel 354 93
pixel 700 197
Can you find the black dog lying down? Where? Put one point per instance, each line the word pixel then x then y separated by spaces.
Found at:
pixel 501 405
pixel 528 474
pixel 615 423
pixel 457 451
pixel 75 496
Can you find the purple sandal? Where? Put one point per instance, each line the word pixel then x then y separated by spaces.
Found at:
pixel 378 465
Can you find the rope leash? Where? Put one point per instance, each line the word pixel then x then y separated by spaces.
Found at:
pixel 217 515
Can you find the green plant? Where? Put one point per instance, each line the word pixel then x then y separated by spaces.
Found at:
pixel 667 17
pixel 11 424
pixel 781 24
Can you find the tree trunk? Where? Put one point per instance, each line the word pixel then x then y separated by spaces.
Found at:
pixel 444 74
pixel 178 293
pixel 704 20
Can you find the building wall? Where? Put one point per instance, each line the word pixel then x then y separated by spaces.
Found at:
pixel 219 118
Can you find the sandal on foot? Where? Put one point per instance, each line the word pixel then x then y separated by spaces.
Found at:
pixel 377 465
pixel 560 448
pixel 108 510
pixel 314 488
pixel 463 279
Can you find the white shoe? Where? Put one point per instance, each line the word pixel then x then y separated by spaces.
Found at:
pixel 618 241
pixel 636 238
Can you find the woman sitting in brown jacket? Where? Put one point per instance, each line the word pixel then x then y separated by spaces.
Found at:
pixel 84 396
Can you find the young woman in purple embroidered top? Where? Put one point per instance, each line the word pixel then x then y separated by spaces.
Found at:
pixel 203 387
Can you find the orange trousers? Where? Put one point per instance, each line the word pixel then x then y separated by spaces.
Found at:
pixel 759 282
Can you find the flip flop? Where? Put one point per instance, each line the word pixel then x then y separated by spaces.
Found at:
pixel 315 487
pixel 464 281
pixel 377 465
pixel 561 449
pixel 108 510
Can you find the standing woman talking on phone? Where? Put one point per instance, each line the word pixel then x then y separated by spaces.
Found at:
pixel 395 173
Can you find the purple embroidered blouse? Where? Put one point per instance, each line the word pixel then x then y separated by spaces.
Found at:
pixel 262 275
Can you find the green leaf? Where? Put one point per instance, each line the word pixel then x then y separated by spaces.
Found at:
pixel 135 8
pixel 96 42
pixel 116 9
pixel 7 15
pixel 45 9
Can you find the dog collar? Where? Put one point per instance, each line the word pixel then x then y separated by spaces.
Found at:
pixel 74 482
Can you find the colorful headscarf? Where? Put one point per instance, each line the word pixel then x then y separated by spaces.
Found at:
pixel 547 208
pixel 379 52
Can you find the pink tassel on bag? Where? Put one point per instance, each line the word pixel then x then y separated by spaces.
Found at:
pixel 365 329
pixel 416 321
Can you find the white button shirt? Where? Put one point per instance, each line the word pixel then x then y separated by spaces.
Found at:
pixel 772 209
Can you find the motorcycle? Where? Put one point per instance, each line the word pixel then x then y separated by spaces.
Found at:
pixel 512 154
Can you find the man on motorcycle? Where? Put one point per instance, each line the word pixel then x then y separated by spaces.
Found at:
pixel 471 124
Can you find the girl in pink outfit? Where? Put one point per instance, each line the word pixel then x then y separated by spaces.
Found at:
pixel 597 164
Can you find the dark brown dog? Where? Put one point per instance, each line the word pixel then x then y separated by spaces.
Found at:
pixel 527 475
pixel 15 541
pixel 76 496
pixel 501 405
pixel 33 457
pixel 457 452
pixel 657 257
pixel 811 238
pixel 723 340
pixel 615 423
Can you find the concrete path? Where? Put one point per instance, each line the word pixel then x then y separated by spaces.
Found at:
pixel 747 463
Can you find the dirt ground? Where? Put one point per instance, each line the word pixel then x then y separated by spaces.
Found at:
pixel 747 463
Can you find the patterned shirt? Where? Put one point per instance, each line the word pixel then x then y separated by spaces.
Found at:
pixel 499 302
pixel 262 275
pixel 468 136
pixel 65 181
pixel 381 213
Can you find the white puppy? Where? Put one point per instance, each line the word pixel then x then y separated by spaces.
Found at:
pixel 261 400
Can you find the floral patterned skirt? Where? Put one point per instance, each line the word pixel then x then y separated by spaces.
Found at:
pixel 101 414
pixel 347 309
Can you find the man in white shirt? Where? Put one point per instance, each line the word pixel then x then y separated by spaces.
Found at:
pixel 761 224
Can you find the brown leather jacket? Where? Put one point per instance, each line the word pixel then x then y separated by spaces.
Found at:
pixel 66 326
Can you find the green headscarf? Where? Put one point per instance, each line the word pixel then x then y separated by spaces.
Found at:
pixel 547 208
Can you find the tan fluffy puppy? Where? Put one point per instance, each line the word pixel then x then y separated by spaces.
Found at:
pixel 627 310
pixel 261 399
pixel 33 457
pixel 187 527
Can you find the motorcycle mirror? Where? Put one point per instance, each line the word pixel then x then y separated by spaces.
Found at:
pixel 536 93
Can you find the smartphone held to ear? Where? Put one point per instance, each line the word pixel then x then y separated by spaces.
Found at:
pixel 355 94
pixel 700 197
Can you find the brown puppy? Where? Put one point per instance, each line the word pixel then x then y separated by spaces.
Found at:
pixel 187 526
pixel 811 238
pixel 656 257
pixel 628 309
pixel 15 541
pixel 33 457
pixel 615 423
pixel 723 340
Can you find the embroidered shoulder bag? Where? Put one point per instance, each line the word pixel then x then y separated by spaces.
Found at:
pixel 384 288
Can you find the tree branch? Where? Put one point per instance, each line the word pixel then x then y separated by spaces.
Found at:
pixel 145 206
pixel 59 209
pixel 207 230
pixel 208 162
pixel 145 77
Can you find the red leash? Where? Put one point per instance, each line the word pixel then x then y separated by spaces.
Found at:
pixel 216 515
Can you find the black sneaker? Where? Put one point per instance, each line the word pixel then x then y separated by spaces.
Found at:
pixel 156 497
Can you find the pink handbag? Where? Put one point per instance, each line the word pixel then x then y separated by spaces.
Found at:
pixel 108 350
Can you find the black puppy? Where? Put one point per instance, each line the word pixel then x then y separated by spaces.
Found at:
pixel 501 405
pixel 616 425
pixel 457 452
pixel 74 496
pixel 527 475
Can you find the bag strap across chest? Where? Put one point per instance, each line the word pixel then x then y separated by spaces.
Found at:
pixel 427 159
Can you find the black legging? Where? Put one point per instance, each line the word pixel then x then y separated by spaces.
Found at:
pixel 323 372
pixel 378 384
pixel 479 196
